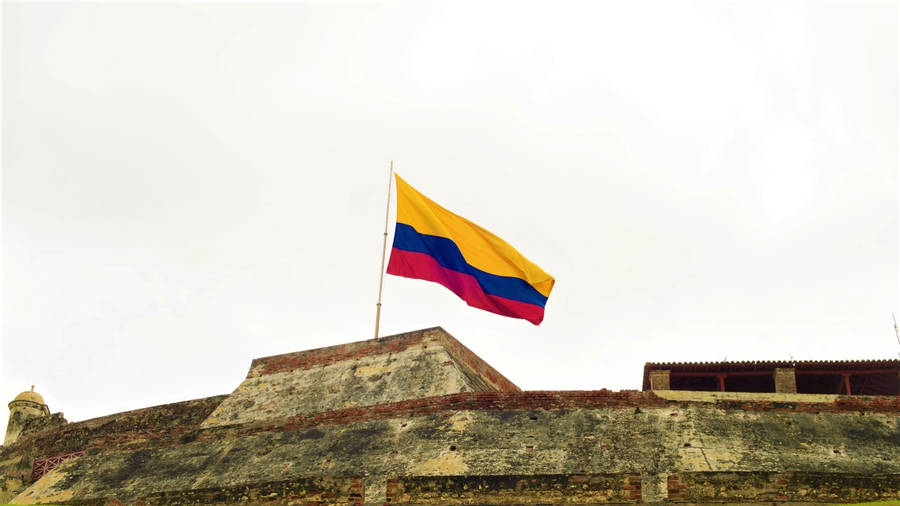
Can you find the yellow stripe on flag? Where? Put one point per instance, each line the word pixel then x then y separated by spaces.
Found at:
pixel 481 249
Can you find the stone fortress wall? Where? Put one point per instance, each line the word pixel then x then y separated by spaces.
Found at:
pixel 418 418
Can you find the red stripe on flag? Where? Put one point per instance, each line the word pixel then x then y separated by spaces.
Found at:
pixel 410 264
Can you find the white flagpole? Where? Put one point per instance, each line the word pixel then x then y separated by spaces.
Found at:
pixel 896 330
pixel 387 213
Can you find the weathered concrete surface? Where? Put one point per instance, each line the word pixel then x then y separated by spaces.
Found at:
pixel 493 449
pixel 407 366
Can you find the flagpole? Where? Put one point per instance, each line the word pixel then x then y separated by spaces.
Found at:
pixel 387 213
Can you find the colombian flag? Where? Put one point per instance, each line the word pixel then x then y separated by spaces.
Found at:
pixel 433 244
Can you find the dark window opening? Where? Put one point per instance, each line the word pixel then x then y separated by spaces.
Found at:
pixel 874 384
pixel 819 383
pixel 750 383
pixel 705 383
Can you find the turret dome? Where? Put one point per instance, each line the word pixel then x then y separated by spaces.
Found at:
pixel 30 396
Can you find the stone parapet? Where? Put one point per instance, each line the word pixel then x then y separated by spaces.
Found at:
pixel 785 380
pixel 619 450
pixel 659 379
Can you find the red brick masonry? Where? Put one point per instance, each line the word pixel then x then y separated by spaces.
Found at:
pixel 323 356
pixel 178 423
pixel 578 399
pixel 302 360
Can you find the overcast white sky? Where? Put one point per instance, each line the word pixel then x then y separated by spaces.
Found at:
pixel 189 186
